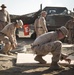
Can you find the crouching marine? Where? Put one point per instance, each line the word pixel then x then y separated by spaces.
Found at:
pixel 8 37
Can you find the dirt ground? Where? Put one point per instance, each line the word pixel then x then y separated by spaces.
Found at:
pixel 8 67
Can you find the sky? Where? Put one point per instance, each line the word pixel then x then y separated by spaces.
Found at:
pixel 21 7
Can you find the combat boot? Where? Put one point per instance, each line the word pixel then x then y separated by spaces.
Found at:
pixel 40 59
pixel 56 66
pixel 9 53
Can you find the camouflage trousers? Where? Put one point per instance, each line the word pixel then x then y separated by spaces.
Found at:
pixel 7 44
pixel 53 47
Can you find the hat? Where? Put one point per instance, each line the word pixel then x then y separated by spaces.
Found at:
pixel 20 23
pixel 43 12
pixel 64 30
pixel 3 6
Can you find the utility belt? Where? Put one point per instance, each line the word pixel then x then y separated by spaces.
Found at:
pixel 3 22
pixel 32 46
pixel 39 27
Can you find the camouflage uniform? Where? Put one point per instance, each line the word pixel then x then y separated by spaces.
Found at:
pixel 40 26
pixel 4 18
pixel 7 35
pixel 49 42
pixel 70 26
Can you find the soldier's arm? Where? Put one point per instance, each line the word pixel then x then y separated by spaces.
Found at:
pixel 8 18
pixel 12 35
pixel 43 22
pixel 13 41
pixel 35 25
pixel 67 24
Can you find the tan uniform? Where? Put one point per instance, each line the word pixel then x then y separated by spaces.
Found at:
pixel 8 33
pixel 48 43
pixel 70 26
pixel 40 26
pixel 4 19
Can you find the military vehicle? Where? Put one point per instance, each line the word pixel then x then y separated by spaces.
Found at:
pixel 56 17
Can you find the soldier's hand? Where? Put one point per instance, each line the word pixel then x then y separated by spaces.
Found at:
pixel 46 31
pixel 15 43
pixel 13 46
pixel 63 57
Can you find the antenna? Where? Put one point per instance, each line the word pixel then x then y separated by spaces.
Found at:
pixel 40 6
